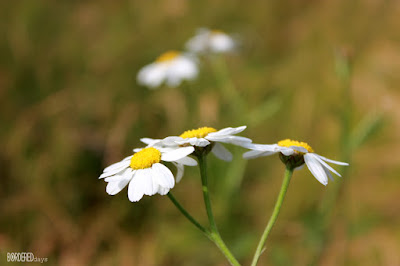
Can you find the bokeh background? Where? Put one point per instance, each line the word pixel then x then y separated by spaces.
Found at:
pixel 324 72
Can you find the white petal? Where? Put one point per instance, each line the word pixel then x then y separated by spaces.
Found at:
pixel 119 164
pixel 152 75
pixel 180 171
pixel 316 169
pixel 182 68
pixel 177 154
pixel 146 179
pixel 255 154
pixel 163 191
pixel 115 187
pixel 199 142
pixel 221 152
pixel 299 148
pixel 135 188
pixel 227 131
pixel 116 170
pixel 163 175
pixel 317 157
pixel 171 141
pixel 187 161
pixel 199 42
pixel 332 161
pixel 262 147
pixel 150 141
pixel 221 43
pixel 236 140
pixel 328 173
pixel 128 173
pixel 285 150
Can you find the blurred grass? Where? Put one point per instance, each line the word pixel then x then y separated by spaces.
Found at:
pixel 70 106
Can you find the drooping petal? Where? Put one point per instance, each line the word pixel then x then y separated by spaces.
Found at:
pixel 135 191
pixel 328 173
pixel 179 171
pixel 145 178
pixel 163 175
pixel 177 154
pixel 317 157
pixel 221 152
pixel 187 161
pixel 316 169
pixel 332 161
pixel 163 191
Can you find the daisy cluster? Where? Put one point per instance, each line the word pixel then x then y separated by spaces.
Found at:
pixel 145 171
pixel 173 67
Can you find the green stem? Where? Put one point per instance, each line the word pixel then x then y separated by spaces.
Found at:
pixel 215 236
pixel 274 216
pixel 188 216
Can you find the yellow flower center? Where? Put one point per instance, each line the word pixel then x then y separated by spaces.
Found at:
pixel 145 158
pixel 168 56
pixel 289 142
pixel 197 133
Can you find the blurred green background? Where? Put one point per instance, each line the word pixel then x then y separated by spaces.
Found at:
pixel 70 106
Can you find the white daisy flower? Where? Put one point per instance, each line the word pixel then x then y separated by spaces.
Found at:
pixel 171 67
pixel 205 137
pixel 296 154
pixel 214 41
pixel 145 173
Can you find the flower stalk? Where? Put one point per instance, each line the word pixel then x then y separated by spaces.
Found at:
pixel 274 216
pixel 215 236
pixel 188 216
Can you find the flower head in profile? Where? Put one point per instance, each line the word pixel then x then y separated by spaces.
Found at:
pixel 294 154
pixel 214 41
pixel 170 68
pixel 145 172
pixel 205 139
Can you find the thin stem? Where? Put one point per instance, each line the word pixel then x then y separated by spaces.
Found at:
pixel 215 236
pixel 274 216
pixel 187 215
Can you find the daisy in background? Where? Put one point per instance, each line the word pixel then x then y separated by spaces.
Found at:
pixel 214 41
pixel 204 138
pixel 145 172
pixel 170 68
pixel 295 154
